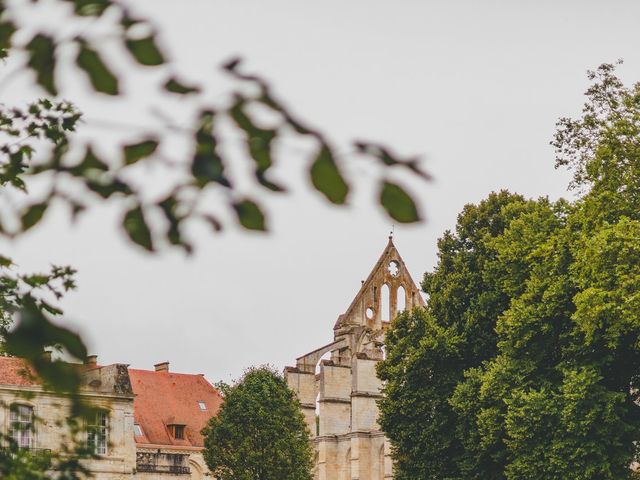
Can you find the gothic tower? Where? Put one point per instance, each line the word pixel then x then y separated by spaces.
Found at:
pixel 342 395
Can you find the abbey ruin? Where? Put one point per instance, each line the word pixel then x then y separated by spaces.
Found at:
pixel 339 394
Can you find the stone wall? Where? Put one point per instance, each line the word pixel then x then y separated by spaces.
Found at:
pixel 51 432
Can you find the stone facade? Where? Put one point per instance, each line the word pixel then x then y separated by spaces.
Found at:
pixel 339 394
pixel 106 388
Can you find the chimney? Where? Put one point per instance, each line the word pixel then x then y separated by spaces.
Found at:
pixel 162 367
pixel 91 360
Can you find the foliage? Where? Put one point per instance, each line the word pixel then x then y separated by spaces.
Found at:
pixel 251 110
pixel 39 146
pixel 259 433
pixel 524 365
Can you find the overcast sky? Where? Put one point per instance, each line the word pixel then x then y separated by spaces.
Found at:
pixel 474 86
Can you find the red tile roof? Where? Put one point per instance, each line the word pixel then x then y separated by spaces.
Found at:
pixel 16 372
pixel 165 398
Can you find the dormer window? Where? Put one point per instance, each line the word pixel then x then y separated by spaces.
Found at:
pixel 202 405
pixel 177 431
pixel 137 430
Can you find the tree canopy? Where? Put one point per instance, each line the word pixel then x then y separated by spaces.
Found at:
pixel 259 433
pixel 524 364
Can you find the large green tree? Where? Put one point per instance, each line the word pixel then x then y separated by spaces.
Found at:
pixel 259 433
pixel 525 363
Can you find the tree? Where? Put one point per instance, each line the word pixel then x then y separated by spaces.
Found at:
pixel 259 433
pixel 539 316
pixel 428 352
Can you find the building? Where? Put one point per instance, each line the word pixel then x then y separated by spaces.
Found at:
pixel 170 410
pixel 147 423
pixel 36 417
pixel 337 384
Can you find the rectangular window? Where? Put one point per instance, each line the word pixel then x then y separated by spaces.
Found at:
pixel 98 432
pixel 202 405
pixel 178 432
pixel 21 429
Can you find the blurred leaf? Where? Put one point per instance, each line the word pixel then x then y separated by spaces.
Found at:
pixel 174 235
pixel 136 227
pixel 145 51
pixel 138 151
pixel 259 141
pixel 89 162
pixel 102 79
pixel 387 158
pixel 249 215
pixel 5 261
pixel 398 204
pixel 7 29
pixel 90 8
pixel 105 190
pixel 32 215
pixel 36 280
pixel 50 308
pixel 33 332
pixel 173 85
pixel 42 61
pixel 207 165
pixel 326 177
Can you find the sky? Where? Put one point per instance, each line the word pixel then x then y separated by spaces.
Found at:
pixel 473 87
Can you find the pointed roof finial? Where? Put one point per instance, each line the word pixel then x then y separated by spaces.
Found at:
pixel 393 227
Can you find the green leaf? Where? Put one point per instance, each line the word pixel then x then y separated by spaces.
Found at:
pixel 259 143
pixel 90 8
pixel 88 163
pixel 173 85
pixel 174 235
pixel 7 29
pixel 32 215
pixel 138 151
pixel 5 261
pixel 102 79
pixel 136 227
pixel 105 190
pixel 326 177
pixel 42 61
pixel 34 331
pixel 398 204
pixel 249 215
pixel 145 51
pixel 207 166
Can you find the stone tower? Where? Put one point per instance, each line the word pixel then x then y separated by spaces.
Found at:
pixel 342 390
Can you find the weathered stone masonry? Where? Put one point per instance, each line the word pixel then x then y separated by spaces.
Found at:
pixel 348 440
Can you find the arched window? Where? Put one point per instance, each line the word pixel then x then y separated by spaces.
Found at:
pixel 21 428
pixel 401 299
pixel 98 431
pixel 385 303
